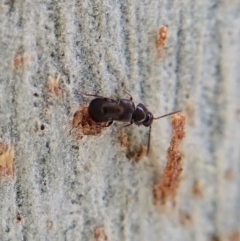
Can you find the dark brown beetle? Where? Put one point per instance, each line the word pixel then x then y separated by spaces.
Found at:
pixel 103 109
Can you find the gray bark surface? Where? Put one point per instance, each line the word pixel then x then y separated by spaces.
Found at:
pixel 64 189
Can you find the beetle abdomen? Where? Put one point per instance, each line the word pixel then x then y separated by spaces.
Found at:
pixel 103 110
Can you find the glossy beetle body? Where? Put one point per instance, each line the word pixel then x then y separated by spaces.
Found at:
pixel 124 110
pixel 103 109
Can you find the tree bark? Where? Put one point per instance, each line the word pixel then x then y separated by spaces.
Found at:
pixel 93 188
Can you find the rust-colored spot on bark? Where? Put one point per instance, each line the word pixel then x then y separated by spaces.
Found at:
pixel 229 175
pixel 18 61
pixel 21 59
pixel 85 125
pixel 99 234
pixel 140 153
pixel 134 153
pixel 53 85
pixel 185 218
pixel 168 186
pixel 215 238
pixel 161 40
pixel 235 236
pixel 197 189
pixel 124 140
pixel 19 218
pixel 6 161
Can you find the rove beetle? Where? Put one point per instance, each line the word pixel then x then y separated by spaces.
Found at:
pixel 104 109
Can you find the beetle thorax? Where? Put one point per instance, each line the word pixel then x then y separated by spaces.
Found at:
pixel 142 116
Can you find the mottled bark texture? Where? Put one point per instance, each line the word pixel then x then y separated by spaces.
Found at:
pixel 69 187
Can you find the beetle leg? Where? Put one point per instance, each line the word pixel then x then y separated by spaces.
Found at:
pixel 109 123
pixel 120 128
pixel 131 98
pixel 99 96
pixel 93 95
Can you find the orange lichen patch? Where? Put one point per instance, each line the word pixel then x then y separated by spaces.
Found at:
pixel 83 122
pixel 215 238
pixel 6 161
pixel 20 60
pixel 53 85
pixel 161 40
pixel 197 189
pixel 185 218
pixel 168 186
pixel 99 234
pixel 235 236
pixel 139 154
pixel 134 153
pixel 229 175
pixel 124 140
pixel 19 218
pixel 77 118
pixel 190 113
pixel 3 147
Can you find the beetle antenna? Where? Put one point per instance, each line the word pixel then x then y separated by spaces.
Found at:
pixel 149 139
pixel 91 95
pixel 172 113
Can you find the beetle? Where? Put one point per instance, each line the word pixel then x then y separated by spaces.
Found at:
pixel 104 109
